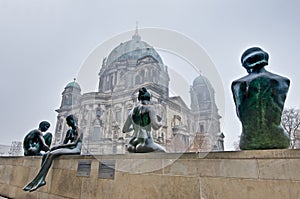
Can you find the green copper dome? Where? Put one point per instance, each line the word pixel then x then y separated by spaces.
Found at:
pixel 73 85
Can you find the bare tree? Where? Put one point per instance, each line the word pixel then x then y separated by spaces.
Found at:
pixel 290 121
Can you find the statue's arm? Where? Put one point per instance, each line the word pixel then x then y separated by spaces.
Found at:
pixel 284 85
pixel 62 146
pixel 126 127
pixel 26 141
pixel 44 146
pixel 35 134
pixel 68 145
pixel 66 139
pixel 155 124
pixel 235 92
pixel 78 138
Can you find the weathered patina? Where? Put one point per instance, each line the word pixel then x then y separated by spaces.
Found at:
pixel 259 98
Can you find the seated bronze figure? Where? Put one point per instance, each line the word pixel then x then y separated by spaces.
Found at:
pixel 142 118
pixel 35 142
pixel 259 98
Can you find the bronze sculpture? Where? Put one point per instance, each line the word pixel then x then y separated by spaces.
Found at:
pixel 71 146
pixel 143 118
pixel 259 98
pixel 35 142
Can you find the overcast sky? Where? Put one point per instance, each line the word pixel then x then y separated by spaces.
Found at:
pixel 43 45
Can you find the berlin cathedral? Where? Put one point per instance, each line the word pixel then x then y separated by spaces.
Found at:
pixel 101 115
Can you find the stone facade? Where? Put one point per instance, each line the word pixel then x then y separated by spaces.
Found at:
pixel 130 66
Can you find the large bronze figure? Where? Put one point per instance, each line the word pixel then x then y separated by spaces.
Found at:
pixel 71 145
pixel 259 98
pixel 35 142
pixel 142 118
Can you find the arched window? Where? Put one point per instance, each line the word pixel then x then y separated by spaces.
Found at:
pixel 201 126
pixel 137 80
pixel 118 116
pixel 154 76
pixel 96 133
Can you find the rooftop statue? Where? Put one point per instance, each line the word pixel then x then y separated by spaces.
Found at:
pixel 259 98
pixel 35 142
pixel 143 118
pixel 71 145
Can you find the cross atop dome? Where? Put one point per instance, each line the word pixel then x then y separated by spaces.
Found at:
pixel 136 35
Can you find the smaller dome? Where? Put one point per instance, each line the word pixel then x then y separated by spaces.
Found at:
pixel 73 85
pixel 200 80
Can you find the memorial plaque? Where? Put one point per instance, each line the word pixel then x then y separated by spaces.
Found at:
pixel 107 169
pixel 84 168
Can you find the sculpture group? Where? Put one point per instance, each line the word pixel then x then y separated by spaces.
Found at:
pixel 70 146
pixel 259 98
pixel 142 118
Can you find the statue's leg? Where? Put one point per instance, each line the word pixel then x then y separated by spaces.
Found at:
pixel 131 145
pixel 131 149
pixel 154 147
pixel 141 147
pixel 159 148
pixel 44 158
pixel 48 138
pixel 133 141
pixel 47 164
pixel 39 179
pixel 26 153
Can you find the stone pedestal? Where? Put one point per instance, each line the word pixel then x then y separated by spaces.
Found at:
pixel 243 174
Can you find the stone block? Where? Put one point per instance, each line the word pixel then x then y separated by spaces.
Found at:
pixel 240 168
pixel 17 161
pixel 287 169
pixel 140 165
pixel 6 173
pixel 42 195
pixel 32 161
pixel 63 164
pixel 65 183
pixel 89 188
pixel 136 186
pixel 183 167
pixel 243 168
pixel 20 194
pixel 19 177
pixel 11 160
pixel 94 169
pixel 8 191
pixel 234 188
pixel 254 154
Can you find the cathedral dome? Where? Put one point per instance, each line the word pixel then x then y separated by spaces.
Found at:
pixel 133 49
pixel 73 85
pixel 202 95
pixel 201 80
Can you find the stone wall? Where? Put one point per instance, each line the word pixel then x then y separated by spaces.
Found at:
pixel 244 174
